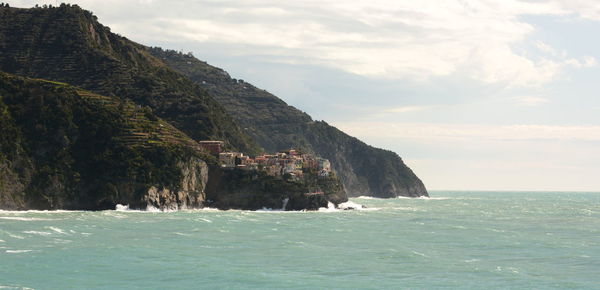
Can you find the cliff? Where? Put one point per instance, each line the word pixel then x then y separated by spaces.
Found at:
pixel 65 148
pixel 252 190
pixel 363 169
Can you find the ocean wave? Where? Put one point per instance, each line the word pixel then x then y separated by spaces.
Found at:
pixel 15 287
pixel 149 209
pixel 18 218
pixel 405 208
pixel 368 197
pixel 120 207
pixel 38 211
pixel 403 197
pixel 330 208
pixel 18 251
pixel 38 233
pixel 350 205
pixel 420 254
pixel 55 229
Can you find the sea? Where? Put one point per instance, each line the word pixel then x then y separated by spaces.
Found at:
pixel 453 240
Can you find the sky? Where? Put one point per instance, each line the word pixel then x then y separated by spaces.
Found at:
pixel 473 95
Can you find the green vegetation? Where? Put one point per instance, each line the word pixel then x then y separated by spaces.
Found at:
pixel 67 44
pixel 62 147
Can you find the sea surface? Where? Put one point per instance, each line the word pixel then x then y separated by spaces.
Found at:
pixel 454 240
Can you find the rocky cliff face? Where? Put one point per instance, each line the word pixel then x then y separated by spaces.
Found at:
pixel 252 190
pixel 189 193
pixel 63 148
pixel 364 170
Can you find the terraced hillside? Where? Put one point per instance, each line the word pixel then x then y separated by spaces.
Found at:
pixel 141 127
pixel 68 44
pixel 66 148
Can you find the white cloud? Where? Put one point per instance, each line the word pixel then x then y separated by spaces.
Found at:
pixel 544 47
pixel 529 101
pixel 414 40
pixel 390 39
pixel 586 62
pixel 405 109
pixel 434 131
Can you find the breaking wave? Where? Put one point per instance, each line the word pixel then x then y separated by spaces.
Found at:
pixel 18 218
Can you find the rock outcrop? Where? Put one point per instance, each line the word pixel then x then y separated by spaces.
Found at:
pixel 188 194
pixel 252 190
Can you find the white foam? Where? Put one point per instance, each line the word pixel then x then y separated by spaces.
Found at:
pixel 404 197
pixel 18 218
pixel 151 208
pixel 330 208
pixel 205 209
pixel 62 241
pixel 350 205
pixel 120 207
pixel 15 236
pixel 38 211
pixel 60 231
pixel 2 241
pixel 18 251
pixel 367 197
pixel 15 287
pixel 407 208
pixel 37 233
pixel 420 254
pixel 267 209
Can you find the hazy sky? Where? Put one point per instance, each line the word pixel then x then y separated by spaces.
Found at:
pixel 498 95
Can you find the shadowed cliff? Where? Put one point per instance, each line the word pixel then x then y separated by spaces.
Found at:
pixel 65 148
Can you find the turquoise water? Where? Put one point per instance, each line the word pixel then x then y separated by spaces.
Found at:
pixel 526 240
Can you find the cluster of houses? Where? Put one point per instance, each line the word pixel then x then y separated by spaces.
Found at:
pixel 290 162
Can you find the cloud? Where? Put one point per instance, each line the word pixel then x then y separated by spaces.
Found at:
pixel 389 39
pixel 529 101
pixel 405 109
pixel 434 131
pixel 386 39
pixel 586 62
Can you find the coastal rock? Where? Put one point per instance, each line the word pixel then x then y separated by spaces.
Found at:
pixel 253 190
pixel 188 194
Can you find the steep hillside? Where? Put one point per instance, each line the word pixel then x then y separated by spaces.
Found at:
pixel 364 170
pixel 65 148
pixel 68 44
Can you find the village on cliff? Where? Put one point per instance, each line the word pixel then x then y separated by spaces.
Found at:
pixel 290 163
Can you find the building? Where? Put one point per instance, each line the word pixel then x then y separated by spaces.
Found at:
pixel 227 159
pixel 214 147
pixel 323 164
